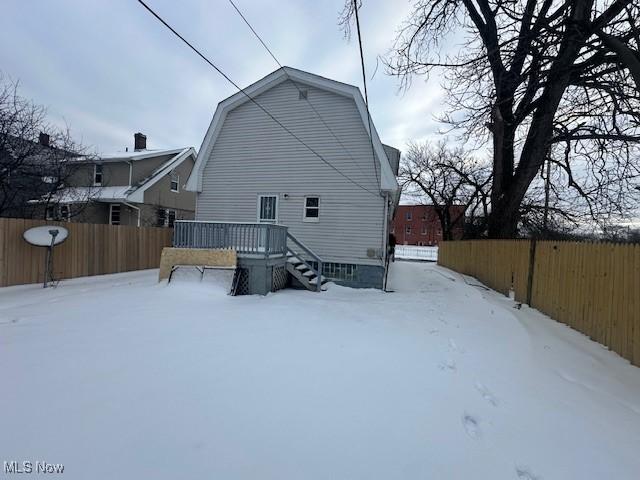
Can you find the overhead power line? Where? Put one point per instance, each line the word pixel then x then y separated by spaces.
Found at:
pixel 257 35
pixel 243 91
pixel 364 82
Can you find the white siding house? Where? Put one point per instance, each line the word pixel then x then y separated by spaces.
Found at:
pixel 326 178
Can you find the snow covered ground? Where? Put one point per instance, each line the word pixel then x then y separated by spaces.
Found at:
pixel 121 377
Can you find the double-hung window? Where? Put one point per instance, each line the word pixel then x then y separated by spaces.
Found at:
pixel 171 218
pixel 311 209
pixel 114 214
pixel 166 217
pixel 65 213
pixel 97 175
pixel 175 182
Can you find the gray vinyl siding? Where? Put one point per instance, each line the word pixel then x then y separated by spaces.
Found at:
pixel 253 155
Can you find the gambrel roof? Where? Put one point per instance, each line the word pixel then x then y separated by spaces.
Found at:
pixel 387 178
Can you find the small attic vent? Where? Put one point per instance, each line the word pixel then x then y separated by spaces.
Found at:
pixel 302 94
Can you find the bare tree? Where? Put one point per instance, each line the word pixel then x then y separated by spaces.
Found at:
pixel 36 160
pixel 537 81
pixel 456 184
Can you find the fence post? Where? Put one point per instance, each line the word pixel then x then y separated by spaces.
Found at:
pixel 532 262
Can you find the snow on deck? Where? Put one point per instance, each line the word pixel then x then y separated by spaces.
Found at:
pixel 121 377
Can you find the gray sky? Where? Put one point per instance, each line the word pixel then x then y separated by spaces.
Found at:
pixel 109 69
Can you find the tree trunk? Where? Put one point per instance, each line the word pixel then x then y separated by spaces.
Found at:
pixel 503 221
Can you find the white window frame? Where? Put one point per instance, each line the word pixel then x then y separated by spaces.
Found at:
pixel 111 205
pixel 304 210
pixel 174 177
pixel 95 174
pixel 260 197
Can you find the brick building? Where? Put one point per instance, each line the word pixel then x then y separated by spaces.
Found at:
pixel 419 224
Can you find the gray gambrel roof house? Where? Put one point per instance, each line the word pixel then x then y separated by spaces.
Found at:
pixel 302 78
pixel 298 150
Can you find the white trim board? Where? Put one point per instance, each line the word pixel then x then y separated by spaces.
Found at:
pixel 387 181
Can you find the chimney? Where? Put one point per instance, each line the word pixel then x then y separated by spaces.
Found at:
pixel 139 141
pixel 43 139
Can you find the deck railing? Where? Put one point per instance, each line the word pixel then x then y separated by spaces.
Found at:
pixel 245 238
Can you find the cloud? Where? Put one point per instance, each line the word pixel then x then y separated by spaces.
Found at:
pixel 109 69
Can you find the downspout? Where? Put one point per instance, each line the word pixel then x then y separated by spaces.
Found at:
pixel 385 237
pixel 135 208
pixel 130 171
pixel 130 179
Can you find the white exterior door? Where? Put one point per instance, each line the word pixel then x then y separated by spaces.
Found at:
pixel 267 213
pixel 268 208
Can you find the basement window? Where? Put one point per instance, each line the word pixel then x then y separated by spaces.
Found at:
pixel 338 271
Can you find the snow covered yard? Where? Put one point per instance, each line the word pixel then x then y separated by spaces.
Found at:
pixel 121 377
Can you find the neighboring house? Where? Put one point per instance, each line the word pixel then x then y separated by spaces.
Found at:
pixel 420 225
pixel 250 169
pixel 140 188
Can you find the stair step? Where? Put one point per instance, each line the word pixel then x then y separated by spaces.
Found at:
pixel 314 281
pixel 303 272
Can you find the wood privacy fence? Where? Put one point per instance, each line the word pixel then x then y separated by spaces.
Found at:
pixel 592 287
pixel 90 250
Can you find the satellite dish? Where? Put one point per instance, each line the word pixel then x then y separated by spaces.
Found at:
pixel 46 236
